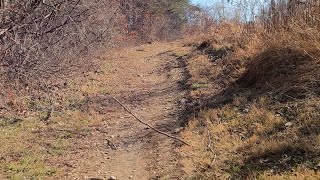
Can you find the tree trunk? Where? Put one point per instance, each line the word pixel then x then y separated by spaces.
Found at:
pixel 1 4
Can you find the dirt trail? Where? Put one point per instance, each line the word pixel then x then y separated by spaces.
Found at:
pixel 146 80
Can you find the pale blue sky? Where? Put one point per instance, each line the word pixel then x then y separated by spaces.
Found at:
pixel 202 2
pixel 247 9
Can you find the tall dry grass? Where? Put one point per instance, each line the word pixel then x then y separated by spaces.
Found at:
pixel 270 127
pixel 290 61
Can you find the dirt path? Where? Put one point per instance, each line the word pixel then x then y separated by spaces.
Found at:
pixel 146 80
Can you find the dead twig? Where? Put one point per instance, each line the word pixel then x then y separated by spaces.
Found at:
pixel 151 127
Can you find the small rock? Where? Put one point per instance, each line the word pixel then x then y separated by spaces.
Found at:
pixel 246 110
pixel 178 130
pixel 112 178
pixel 130 177
pixel 288 124
pixel 183 101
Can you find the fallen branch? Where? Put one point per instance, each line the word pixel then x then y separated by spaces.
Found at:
pixel 153 128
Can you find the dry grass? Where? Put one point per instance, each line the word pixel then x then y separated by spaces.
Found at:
pixel 259 118
pixel 289 66
pixel 252 143
pixel 38 131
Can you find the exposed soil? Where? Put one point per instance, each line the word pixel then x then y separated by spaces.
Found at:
pixel 146 79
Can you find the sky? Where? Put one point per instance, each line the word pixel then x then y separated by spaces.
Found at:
pixel 232 8
pixel 202 2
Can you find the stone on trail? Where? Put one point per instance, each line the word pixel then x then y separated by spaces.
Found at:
pixel 112 178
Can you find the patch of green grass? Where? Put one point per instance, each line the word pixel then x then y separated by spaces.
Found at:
pixel 25 148
pixel 29 167
pixel 30 147
pixel 66 135
pixel 58 147
pixel 167 177
pixel 10 121
pixel 107 66
pixel 198 85
pixel 181 53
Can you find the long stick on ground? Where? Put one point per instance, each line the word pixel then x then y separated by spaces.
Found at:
pixel 153 128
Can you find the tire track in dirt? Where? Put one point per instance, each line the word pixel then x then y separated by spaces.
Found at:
pixel 146 80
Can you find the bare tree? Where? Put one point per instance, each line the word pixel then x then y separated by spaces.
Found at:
pixel 41 40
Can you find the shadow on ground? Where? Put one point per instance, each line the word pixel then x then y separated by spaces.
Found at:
pixel 301 147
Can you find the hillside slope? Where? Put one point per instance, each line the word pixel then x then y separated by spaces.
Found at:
pixel 208 92
pixel 254 107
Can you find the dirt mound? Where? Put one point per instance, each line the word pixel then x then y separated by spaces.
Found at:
pixel 286 71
